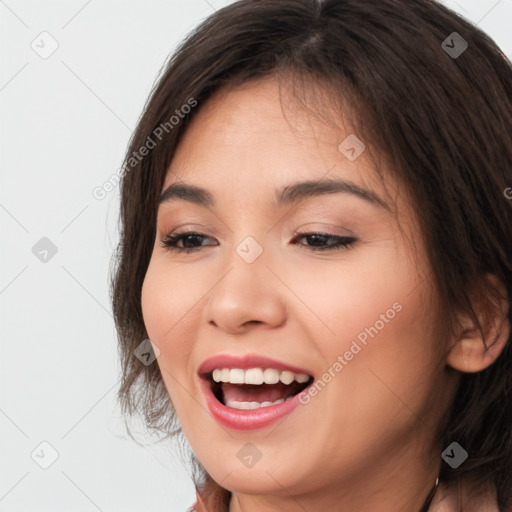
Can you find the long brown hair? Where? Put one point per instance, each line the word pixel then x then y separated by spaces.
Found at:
pixel 444 122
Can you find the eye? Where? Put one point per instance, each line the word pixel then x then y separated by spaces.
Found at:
pixel 189 238
pixel 191 241
pixel 319 241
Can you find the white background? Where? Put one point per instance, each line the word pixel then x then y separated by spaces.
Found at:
pixel 65 122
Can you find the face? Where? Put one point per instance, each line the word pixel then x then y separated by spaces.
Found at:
pixel 322 283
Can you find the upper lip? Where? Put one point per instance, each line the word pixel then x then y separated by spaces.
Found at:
pixel 245 362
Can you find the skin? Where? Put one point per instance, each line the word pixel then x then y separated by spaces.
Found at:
pixel 369 432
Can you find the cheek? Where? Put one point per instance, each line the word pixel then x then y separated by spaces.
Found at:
pixel 153 305
pixel 350 295
pixel 169 300
pixel 168 312
pixel 381 325
pixel 392 361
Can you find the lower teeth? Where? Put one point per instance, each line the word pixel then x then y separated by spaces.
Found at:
pixel 254 405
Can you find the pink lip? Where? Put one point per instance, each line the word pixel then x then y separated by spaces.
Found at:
pixel 246 419
pixel 244 362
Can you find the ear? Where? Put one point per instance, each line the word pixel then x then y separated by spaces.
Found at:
pixel 469 353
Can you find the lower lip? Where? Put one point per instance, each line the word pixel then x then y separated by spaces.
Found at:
pixel 246 419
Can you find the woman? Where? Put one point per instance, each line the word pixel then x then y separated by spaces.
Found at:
pixel 316 236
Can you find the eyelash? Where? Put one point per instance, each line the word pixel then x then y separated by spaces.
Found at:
pixel 343 242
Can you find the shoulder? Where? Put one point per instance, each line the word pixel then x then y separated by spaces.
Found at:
pixel 450 498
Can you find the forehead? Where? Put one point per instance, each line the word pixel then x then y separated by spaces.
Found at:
pixel 255 138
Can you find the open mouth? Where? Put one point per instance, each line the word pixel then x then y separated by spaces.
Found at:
pixel 273 387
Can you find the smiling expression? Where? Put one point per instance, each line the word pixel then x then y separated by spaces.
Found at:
pixel 252 281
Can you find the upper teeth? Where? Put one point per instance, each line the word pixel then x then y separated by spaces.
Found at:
pixel 257 376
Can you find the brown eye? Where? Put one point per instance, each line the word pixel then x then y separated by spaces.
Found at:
pixel 318 241
pixel 189 239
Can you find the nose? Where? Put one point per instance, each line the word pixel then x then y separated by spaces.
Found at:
pixel 248 294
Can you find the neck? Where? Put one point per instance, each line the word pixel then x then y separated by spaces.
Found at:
pixel 407 496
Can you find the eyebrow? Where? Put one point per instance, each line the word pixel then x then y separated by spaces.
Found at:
pixel 290 194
